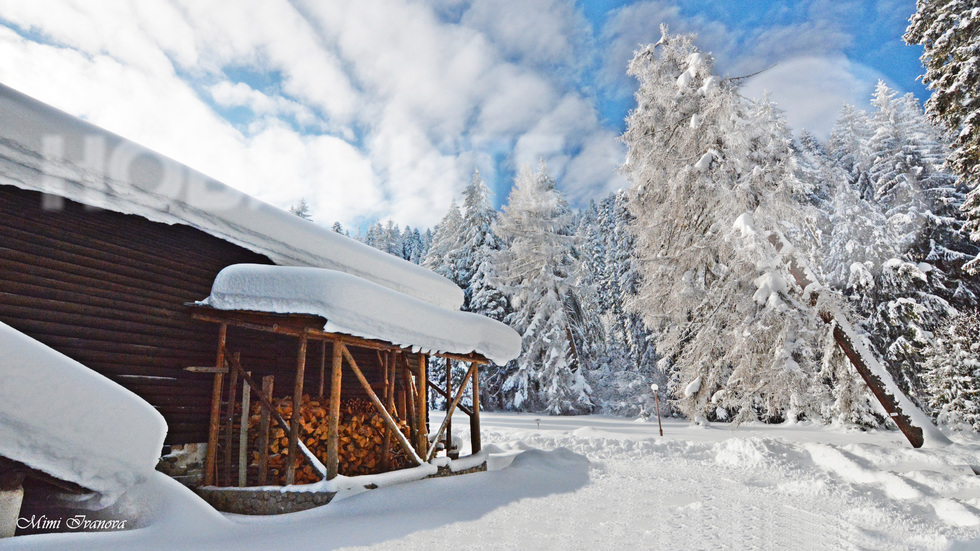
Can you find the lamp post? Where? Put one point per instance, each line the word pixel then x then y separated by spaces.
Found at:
pixel 656 398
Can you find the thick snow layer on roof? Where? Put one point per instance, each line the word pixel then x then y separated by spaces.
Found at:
pixel 358 307
pixel 60 417
pixel 43 149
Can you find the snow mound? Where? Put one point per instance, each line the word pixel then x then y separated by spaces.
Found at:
pixel 768 287
pixel 60 417
pixel 43 149
pixel 358 307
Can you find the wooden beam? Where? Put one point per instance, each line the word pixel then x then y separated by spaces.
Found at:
pixel 379 406
pixel 387 371
pixel 243 435
pixel 888 401
pixel 441 392
pixel 294 420
pixel 230 420
pixel 423 405
pixel 297 324
pixel 411 400
pixel 475 441
pixel 333 419
pixel 210 457
pixel 206 369
pixel 451 408
pixel 267 384
pixel 447 423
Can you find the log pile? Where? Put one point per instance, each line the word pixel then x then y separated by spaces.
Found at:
pixel 361 439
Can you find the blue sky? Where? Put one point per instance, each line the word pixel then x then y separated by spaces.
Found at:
pixel 383 108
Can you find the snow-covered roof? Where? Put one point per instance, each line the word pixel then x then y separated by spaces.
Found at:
pixel 358 307
pixel 62 418
pixel 44 149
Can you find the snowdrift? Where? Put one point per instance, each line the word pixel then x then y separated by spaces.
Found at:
pixel 60 417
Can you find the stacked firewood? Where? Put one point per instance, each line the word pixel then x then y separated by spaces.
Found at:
pixel 361 439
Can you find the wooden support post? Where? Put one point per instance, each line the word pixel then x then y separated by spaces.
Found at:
pixel 452 407
pixel 409 401
pixel 380 407
pixel 448 421
pixel 323 367
pixel 230 421
pixel 423 405
pixel 267 383
pixel 243 435
pixel 210 458
pixel 333 414
pixel 294 420
pixel 475 442
pixel 389 372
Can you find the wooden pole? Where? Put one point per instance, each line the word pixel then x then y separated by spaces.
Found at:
pixel 410 401
pixel 441 392
pixel 387 369
pixel 452 407
pixel 210 457
pixel 267 383
pixel 888 401
pixel 333 419
pixel 243 435
pixel 380 407
pixel 448 421
pixel 423 403
pixel 323 367
pixel 656 398
pixel 294 420
pixel 475 442
pixel 230 420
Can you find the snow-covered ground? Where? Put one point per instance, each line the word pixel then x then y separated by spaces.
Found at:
pixel 596 482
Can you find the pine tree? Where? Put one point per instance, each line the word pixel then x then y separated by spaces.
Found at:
pixel 536 267
pixel 301 209
pixel 905 246
pixel 949 31
pixel 443 251
pixel 702 162
pixel 474 264
pixel 952 373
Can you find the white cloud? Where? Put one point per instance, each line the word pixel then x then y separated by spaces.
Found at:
pixel 812 90
pixel 373 108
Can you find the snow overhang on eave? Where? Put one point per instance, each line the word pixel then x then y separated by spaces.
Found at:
pixel 360 308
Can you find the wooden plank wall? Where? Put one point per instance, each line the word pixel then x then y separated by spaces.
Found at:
pixel 108 290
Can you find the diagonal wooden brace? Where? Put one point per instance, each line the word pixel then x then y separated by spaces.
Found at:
pixel 452 407
pixel 392 426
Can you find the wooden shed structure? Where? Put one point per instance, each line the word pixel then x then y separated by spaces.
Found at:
pixel 106 246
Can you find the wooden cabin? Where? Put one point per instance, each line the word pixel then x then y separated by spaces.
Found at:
pixel 105 249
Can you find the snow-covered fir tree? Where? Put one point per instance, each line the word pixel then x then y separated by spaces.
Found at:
pixel 443 250
pixel 952 373
pixel 537 269
pixel 302 209
pixel 474 266
pixel 894 242
pixel 949 32
pixel 625 360
pixel 711 177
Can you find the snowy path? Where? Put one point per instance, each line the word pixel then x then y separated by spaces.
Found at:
pixel 757 487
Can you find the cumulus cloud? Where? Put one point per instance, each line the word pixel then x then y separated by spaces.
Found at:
pixel 812 90
pixel 367 109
